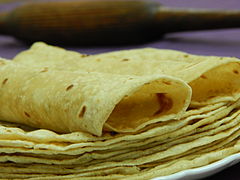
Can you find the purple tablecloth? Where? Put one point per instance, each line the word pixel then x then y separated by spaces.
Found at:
pixel 215 42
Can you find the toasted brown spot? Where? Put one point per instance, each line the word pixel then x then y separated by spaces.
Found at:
pixel 165 103
pixel 44 69
pixel 98 60
pixel 235 71
pixel 186 55
pixel 5 81
pixel 8 130
pixel 69 87
pixel 203 76
pixel 125 59
pixel 2 63
pixel 81 114
pixel 167 82
pixel 28 115
pixel 85 55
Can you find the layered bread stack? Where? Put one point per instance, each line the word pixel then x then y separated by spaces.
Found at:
pixel 133 114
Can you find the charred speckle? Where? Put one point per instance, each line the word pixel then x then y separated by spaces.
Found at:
pixel 204 77
pixel 81 114
pixel 28 115
pixel 5 81
pixel 85 55
pixel 235 71
pixel 69 87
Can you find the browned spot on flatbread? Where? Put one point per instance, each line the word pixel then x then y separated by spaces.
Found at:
pixel 69 87
pixel 4 81
pixel 98 60
pixel 164 102
pixel 125 59
pixel 235 71
pixel 81 114
pixel 85 55
pixel 26 114
pixel 186 55
pixel 203 76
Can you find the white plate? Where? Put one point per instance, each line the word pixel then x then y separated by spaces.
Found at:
pixel 205 171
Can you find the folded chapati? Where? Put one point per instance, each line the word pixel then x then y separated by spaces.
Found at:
pixel 66 101
pixel 211 78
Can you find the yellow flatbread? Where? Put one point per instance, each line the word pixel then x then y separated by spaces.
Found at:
pixel 210 77
pixel 73 101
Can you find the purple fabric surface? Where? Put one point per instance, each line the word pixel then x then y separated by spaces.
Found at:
pixel 215 42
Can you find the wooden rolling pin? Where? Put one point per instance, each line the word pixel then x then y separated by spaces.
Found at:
pixel 107 22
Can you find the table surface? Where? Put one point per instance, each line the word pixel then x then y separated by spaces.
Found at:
pixel 214 42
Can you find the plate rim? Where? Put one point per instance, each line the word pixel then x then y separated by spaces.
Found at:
pixel 206 170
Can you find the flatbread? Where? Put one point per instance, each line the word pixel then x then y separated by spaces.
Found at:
pixel 13 131
pixel 201 72
pixel 158 134
pixel 191 161
pixel 82 101
pixel 96 157
pixel 182 164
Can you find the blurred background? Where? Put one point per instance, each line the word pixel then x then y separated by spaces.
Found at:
pixel 223 42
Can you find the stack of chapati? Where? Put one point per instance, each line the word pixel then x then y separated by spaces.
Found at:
pixel 134 114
